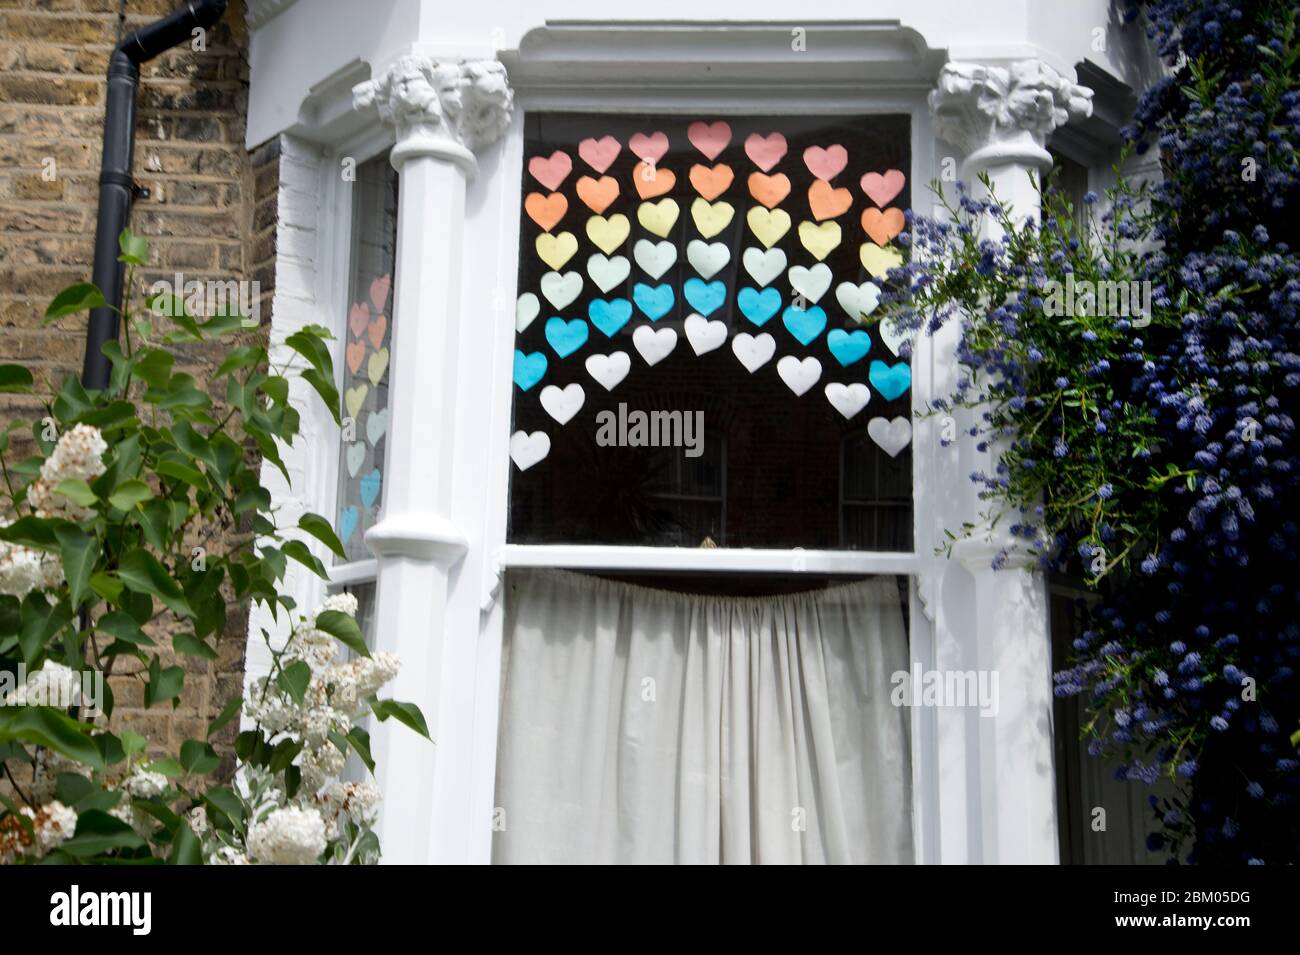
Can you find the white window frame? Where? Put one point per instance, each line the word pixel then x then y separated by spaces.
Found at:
pixel 665 99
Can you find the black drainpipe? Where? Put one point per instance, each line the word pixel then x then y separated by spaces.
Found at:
pixel 116 187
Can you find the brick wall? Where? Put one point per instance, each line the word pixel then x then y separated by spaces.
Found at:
pixel 210 213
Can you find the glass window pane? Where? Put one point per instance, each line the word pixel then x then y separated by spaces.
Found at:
pixel 366 355
pixel 667 273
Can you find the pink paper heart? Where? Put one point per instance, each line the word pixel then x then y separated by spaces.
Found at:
pixel 650 148
pixel 356 354
pixel 358 316
pixel 826 163
pixel 379 291
pixel 882 189
pixel 599 154
pixel 551 172
pixel 709 138
pixel 765 151
pixel 378 325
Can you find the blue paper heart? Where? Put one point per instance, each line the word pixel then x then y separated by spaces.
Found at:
pixel 609 316
pixel 655 300
pixel 848 347
pixel 758 306
pixel 348 518
pixel 370 487
pixel 890 382
pixel 529 369
pixel 804 324
pixel 704 297
pixel 566 337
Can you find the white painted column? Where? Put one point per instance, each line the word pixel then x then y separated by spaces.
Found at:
pixel 1000 118
pixel 442 111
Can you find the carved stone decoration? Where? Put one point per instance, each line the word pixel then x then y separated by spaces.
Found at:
pixel 465 105
pixel 976 106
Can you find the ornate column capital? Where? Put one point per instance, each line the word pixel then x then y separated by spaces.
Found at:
pixel 447 109
pixel 1005 112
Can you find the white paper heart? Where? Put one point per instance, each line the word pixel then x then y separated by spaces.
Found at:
pixel 891 336
pixel 563 403
pixel 707 258
pixel 704 335
pixel 655 258
pixel 561 290
pixel 376 425
pixel 892 436
pixel 654 344
pixel 526 309
pixel 527 449
pixel 608 272
pixel 798 375
pixel 763 265
pixel 858 300
pixel 609 369
pixel 811 283
pixel 356 457
pixel 849 399
pixel 754 351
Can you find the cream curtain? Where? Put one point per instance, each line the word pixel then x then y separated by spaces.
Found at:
pixel 645 726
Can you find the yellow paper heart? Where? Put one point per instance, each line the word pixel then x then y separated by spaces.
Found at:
pixel 711 217
pixel 768 224
pixel 377 365
pixel 608 234
pixel 878 261
pixel 555 250
pixel 819 238
pixel 355 397
pixel 658 217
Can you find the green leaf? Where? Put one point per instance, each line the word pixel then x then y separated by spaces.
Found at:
pixel 325 388
pixel 360 741
pixel 190 645
pixel 406 713
pixel 14 378
pixel 283 755
pixel 40 621
pixel 78 551
pixel 75 298
pixel 226 802
pixel 319 528
pixel 168 767
pixel 135 248
pixel 314 349
pixel 78 492
pixel 123 626
pixel 165 683
pixel 344 629
pixel 132 742
pixel 46 726
pixel 153 366
pixel 228 713
pixel 294 678
pixel 299 552
pixel 30 532
pixel 98 832
pixel 198 757
pixel 129 494
pixel 143 573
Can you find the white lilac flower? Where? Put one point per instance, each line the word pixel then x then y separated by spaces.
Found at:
pixel 52 825
pixel 289 836
pixel 79 455
pixel 198 820
pixel 24 569
pixel 54 684
pixel 142 784
pixel 343 603
pixel 341 802
pixel 316 647
pixel 319 764
pixel 227 855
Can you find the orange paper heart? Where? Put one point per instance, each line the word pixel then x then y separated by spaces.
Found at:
pixel 356 354
pixel 378 325
pixel 598 194
pixel 711 183
pixel 546 211
pixel 882 226
pixel 827 202
pixel 769 190
pixel 379 291
pixel 358 316
pixel 652 181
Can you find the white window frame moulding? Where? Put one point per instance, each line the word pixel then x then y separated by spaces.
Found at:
pixel 857 69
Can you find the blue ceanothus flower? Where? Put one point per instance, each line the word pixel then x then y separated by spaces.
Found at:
pixel 1158 456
